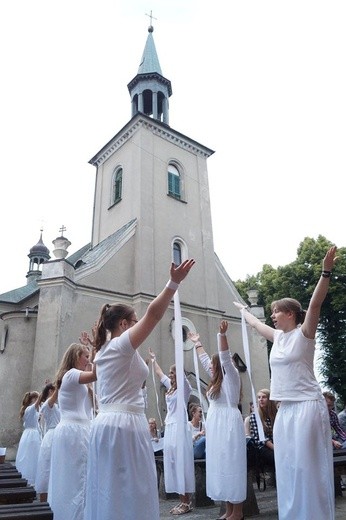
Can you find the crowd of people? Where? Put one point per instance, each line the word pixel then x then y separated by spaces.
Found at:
pixel 96 461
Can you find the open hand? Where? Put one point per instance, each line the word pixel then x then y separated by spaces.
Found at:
pixel 223 327
pixel 193 336
pixel 178 273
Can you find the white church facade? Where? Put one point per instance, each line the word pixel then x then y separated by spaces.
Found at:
pixel 151 205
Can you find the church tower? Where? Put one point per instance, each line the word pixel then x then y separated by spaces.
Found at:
pixel 156 177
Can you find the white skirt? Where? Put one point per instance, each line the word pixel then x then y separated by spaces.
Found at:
pixel 122 480
pixel 43 465
pixel 67 480
pixel 304 461
pixel 177 478
pixel 225 454
pixel 27 454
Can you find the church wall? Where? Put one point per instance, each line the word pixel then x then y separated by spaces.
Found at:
pixel 117 274
pixel 16 363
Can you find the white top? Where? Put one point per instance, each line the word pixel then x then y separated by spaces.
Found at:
pixel 230 386
pixel 292 367
pixel 172 401
pixel 30 417
pixel 50 416
pixel 74 400
pixel 131 372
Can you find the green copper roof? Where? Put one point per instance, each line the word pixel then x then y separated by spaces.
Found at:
pixel 20 294
pixel 150 61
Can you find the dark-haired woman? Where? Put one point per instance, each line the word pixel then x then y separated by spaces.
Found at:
pixel 225 436
pixel 177 479
pixel 30 441
pixel 49 419
pixel 303 451
pixel 122 482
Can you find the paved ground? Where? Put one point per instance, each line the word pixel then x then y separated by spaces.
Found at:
pixel 266 502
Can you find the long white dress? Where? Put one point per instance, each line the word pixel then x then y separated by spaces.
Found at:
pixel 226 471
pixel 174 476
pixel 302 437
pixel 50 417
pixel 67 480
pixel 122 481
pixel 29 445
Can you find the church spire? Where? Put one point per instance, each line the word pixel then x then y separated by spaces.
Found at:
pixel 38 254
pixel 149 89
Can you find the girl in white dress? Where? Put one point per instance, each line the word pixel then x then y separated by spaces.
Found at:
pixel 122 482
pixel 67 479
pixel 302 438
pixel 30 441
pixel 49 418
pixel 171 468
pixel 226 471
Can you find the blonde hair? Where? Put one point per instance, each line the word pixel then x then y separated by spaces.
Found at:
pixel 214 386
pixel 69 360
pixel 269 413
pixel 173 387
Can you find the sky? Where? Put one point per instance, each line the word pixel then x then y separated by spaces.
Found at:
pixel 262 83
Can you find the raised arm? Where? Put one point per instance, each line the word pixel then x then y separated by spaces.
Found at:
pixel 262 329
pixel 312 317
pixel 158 370
pixel 156 309
pixel 223 338
pixel 53 398
pixel 202 354
pixel 194 337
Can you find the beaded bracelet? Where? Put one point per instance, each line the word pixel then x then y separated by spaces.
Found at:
pixel 326 274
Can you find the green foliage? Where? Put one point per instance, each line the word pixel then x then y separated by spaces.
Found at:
pixel 298 280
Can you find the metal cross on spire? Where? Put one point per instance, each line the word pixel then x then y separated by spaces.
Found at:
pixel 62 229
pixel 151 17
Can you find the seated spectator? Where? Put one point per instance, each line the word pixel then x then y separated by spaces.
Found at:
pixel 342 419
pixel 338 434
pixel 267 411
pixel 197 430
pixel 155 437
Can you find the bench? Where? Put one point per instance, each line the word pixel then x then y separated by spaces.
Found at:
pixel 339 463
pixel 10 474
pixel 17 495
pixel 34 510
pixel 13 482
pixel 200 498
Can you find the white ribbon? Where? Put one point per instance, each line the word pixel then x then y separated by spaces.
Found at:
pixel 248 364
pixel 156 395
pixel 181 410
pixel 195 362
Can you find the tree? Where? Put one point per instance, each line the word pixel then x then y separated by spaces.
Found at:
pixel 297 280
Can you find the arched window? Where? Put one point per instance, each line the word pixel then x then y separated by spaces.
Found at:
pixel 174 181
pixel 117 186
pixel 177 253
